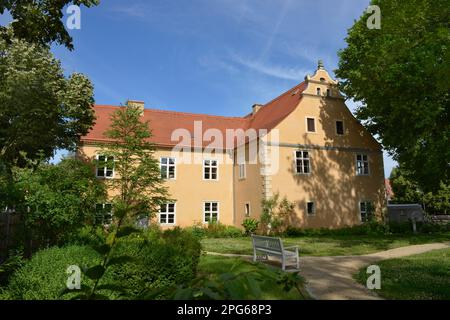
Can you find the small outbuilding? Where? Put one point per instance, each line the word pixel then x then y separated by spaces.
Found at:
pixel 405 212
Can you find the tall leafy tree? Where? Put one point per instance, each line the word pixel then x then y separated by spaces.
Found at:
pixel 137 183
pixel 40 110
pixel 39 21
pixel 399 73
pixel 137 187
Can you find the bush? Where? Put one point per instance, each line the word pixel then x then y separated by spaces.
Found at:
pixel 214 230
pixel 44 276
pixel 160 260
pixel 369 228
pixel 14 261
pixel 250 226
pixel 87 235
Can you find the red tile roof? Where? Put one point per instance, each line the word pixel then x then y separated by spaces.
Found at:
pixel 164 123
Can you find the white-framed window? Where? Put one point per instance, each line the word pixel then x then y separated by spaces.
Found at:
pixel 247 209
pixel 328 93
pixel 210 170
pixel 103 214
pixel 167 213
pixel 310 124
pixel 318 91
pixel 302 162
pixel 310 208
pixel 242 171
pixel 210 211
pixel 339 127
pixel 168 168
pixel 104 167
pixel 362 164
pixel 365 210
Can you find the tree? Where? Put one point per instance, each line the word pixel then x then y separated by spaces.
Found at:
pixel 138 185
pixel 406 190
pixel 400 75
pixel 39 21
pixel 41 110
pixel 58 199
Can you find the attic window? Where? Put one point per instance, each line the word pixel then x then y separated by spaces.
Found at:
pixel 322 79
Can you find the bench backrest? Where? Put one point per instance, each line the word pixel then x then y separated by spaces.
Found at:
pixel 268 243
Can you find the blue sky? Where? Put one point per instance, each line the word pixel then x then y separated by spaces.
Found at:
pixel 207 56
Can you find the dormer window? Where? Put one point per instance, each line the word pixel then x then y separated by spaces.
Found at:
pixel 319 92
pixel 322 79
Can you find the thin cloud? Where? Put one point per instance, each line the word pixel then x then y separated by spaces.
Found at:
pixel 136 10
pixel 287 73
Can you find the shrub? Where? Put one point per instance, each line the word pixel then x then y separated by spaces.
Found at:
pixel 214 230
pixel 160 260
pixel 275 215
pixel 370 228
pixel 250 226
pixel 44 276
pixel 14 261
pixel 87 235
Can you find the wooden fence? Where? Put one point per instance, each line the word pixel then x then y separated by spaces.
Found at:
pixel 8 226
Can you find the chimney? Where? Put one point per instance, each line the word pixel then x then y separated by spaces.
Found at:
pixel 256 108
pixel 137 104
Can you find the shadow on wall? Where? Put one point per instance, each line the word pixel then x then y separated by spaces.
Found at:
pixel 333 185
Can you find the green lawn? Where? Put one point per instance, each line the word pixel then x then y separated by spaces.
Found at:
pixel 420 277
pixel 213 266
pixel 328 245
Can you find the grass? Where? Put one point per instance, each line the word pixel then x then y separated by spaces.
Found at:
pixel 420 277
pixel 328 245
pixel 213 266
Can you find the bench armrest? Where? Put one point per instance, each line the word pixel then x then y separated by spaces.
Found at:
pixel 292 247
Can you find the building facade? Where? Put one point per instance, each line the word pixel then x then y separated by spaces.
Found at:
pixel 304 145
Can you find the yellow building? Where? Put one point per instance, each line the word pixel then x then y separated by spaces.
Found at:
pixel 308 147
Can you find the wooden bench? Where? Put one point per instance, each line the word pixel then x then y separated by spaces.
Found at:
pixel 274 247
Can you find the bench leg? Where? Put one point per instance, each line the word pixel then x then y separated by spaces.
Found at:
pixel 297 259
pixel 254 255
pixel 283 263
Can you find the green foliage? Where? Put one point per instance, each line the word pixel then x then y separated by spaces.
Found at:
pixel 44 276
pixel 58 199
pixel 138 263
pixel 14 261
pixel 161 261
pixel 276 213
pixel 39 21
pixel 369 228
pixel 250 226
pixel 87 235
pixel 140 189
pixel 41 109
pixel 406 190
pixel 214 230
pixel 399 73
pixel 139 192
